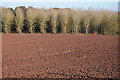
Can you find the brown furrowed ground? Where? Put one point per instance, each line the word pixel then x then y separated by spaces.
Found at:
pixel 59 56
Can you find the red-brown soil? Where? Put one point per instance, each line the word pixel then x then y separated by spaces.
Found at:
pixel 59 56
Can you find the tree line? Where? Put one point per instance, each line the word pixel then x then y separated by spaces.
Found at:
pixel 57 20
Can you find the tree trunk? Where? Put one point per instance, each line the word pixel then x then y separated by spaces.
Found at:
pixel 42 27
pixel 76 29
pixel 54 30
pixel 31 29
pixel 64 29
pixel 87 26
pixel 19 30
pixel 6 30
pixel 42 30
pixel 87 29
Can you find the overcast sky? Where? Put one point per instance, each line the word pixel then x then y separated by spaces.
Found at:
pixel 85 4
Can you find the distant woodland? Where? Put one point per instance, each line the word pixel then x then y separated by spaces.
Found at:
pixel 58 20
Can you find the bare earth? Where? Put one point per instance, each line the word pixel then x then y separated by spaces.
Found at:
pixel 59 56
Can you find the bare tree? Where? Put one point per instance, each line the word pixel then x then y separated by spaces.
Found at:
pixel 54 20
pixel 97 19
pixel 7 19
pixel 0 19
pixel 64 20
pixel 87 15
pixel 31 16
pixel 76 18
pixel 43 17
pixel 110 22
pixel 19 19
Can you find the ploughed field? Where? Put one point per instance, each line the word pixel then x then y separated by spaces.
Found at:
pixel 59 56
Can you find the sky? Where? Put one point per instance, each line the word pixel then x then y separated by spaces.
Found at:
pixel 84 4
pixel 59 0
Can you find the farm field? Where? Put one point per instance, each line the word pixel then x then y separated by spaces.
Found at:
pixel 59 56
